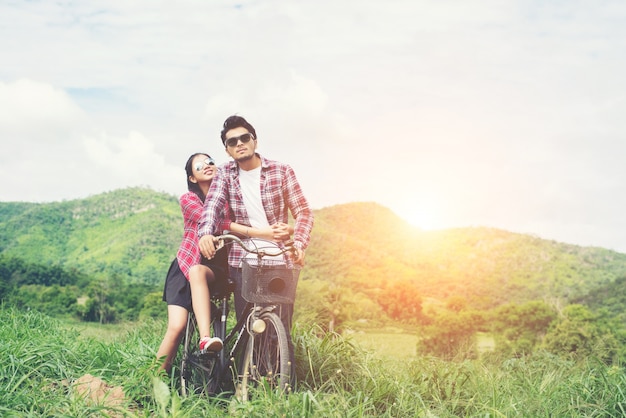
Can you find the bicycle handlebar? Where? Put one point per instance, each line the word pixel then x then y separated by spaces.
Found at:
pixel 258 251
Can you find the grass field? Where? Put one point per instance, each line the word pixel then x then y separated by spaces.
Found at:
pixel 335 378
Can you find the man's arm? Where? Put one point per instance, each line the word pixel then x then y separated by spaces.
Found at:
pixel 277 232
pixel 214 203
pixel 302 213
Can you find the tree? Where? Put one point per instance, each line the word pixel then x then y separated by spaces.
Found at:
pixel 97 307
pixel 578 332
pixel 401 301
pixel 6 284
pixel 456 303
pixel 519 328
pixel 450 334
pixel 153 306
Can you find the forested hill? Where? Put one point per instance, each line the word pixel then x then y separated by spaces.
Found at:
pixel 133 234
pixel 369 246
pixel 130 233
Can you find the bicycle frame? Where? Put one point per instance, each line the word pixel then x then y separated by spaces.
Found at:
pixel 257 348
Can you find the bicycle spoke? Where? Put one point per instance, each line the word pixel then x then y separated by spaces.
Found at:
pixel 271 360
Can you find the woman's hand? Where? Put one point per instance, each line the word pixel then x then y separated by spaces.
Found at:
pixel 207 246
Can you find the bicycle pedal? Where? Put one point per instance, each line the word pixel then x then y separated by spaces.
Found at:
pixel 207 353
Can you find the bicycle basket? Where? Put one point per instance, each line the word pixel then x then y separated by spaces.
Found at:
pixel 269 281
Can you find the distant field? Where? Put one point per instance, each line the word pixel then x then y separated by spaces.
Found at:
pixel 485 342
pixel 401 345
pixel 384 343
pixel 387 344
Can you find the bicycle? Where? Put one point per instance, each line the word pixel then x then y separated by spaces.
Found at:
pixel 258 348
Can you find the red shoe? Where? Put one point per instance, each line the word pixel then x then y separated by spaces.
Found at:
pixel 211 344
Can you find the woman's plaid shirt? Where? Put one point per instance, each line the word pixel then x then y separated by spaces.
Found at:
pixel 189 253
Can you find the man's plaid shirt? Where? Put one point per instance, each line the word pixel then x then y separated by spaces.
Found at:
pixel 280 193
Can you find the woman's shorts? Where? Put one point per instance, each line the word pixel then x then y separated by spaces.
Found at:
pixel 219 266
pixel 176 290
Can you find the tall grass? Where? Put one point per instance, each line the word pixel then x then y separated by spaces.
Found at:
pixel 42 357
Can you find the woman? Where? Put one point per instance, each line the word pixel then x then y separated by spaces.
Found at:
pixel 190 274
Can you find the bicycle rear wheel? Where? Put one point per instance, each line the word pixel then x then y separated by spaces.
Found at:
pixel 198 368
pixel 269 356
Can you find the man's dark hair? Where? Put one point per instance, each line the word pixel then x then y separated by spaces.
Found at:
pixel 236 122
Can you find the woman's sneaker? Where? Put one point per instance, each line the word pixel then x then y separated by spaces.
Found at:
pixel 211 344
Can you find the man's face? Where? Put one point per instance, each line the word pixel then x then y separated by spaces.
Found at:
pixel 240 144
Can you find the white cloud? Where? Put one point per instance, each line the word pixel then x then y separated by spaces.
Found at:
pixel 39 127
pixel 507 114
pixel 131 161
pixel 30 108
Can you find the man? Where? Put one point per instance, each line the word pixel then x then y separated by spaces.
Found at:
pixel 259 193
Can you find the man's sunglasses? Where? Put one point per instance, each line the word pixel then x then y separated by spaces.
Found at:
pixel 199 166
pixel 245 138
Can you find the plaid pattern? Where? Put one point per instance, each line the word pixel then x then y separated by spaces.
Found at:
pixel 189 253
pixel 280 193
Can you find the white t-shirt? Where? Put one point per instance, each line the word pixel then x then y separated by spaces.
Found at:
pixel 250 183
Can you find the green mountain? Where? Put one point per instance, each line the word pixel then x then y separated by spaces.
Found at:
pixel 366 245
pixel 133 234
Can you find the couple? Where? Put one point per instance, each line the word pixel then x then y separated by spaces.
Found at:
pixel 250 196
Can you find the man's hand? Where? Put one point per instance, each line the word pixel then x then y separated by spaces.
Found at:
pixel 280 231
pixel 297 256
pixel 207 246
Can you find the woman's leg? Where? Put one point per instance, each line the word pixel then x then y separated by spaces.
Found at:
pixel 176 323
pixel 199 278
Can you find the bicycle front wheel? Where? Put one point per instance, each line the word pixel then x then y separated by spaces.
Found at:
pixel 269 355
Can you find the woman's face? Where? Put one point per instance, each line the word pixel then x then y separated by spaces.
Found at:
pixel 204 169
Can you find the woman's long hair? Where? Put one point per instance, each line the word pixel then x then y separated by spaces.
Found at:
pixel 191 186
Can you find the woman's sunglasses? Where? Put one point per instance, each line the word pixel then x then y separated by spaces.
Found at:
pixel 199 166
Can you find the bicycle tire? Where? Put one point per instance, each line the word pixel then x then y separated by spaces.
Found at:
pixel 197 370
pixel 269 357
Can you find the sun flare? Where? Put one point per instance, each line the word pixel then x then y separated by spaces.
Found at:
pixel 421 218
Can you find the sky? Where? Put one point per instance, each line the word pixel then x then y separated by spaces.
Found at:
pixel 452 113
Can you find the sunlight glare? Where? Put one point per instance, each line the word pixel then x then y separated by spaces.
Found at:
pixel 422 218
